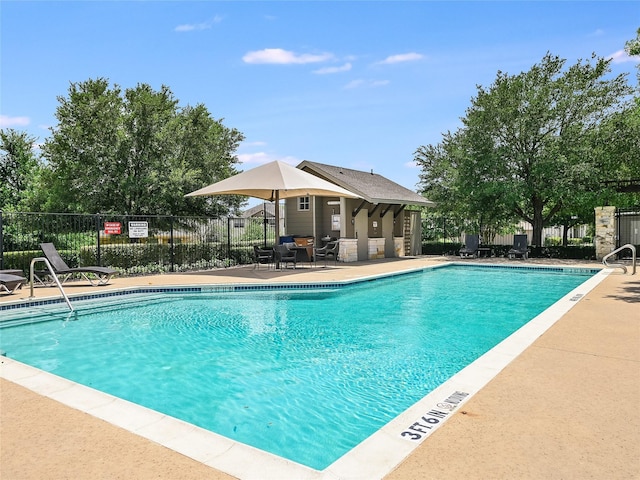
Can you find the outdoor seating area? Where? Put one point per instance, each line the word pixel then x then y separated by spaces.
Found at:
pixel 296 253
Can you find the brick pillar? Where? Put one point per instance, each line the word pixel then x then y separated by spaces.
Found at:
pixel 605 238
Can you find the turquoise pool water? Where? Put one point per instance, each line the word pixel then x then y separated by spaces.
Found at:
pixel 305 374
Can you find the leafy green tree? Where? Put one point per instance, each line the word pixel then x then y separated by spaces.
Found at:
pixel 632 47
pixel 135 152
pixel 19 168
pixel 523 150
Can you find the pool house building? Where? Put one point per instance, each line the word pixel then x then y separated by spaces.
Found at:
pixel 383 222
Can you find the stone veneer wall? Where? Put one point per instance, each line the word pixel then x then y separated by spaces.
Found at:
pixel 605 238
pixel 348 250
pixel 376 248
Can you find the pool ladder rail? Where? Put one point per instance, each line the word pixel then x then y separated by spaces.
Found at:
pixel 55 278
pixel 620 265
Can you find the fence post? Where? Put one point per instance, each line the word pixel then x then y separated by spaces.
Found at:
pixel 97 216
pixel 228 237
pixel 171 243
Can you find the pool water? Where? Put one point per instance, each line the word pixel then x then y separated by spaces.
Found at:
pixel 305 374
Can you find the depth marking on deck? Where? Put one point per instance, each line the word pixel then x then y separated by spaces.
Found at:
pixel 430 421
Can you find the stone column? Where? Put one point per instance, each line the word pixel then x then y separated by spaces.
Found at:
pixel 605 238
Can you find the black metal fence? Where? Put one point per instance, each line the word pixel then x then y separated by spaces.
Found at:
pixel 132 244
pixel 628 228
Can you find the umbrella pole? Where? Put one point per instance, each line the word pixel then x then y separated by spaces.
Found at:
pixel 277 214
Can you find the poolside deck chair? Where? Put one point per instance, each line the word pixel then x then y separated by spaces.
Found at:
pixel 262 256
pixel 520 247
pixel 60 268
pixel 285 255
pixel 331 249
pixel 471 244
pixel 9 283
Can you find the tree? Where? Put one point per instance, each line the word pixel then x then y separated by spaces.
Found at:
pixel 632 47
pixel 524 141
pixel 135 152
pixel 19 167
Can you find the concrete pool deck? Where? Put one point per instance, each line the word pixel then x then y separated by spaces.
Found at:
pixel 567 407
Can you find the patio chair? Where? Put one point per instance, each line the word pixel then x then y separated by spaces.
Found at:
pixel 471 244
pixel 520 247
pixel 329 250
pixel 9 283
pixel 285 255
pixel 262 256
pixel 102 274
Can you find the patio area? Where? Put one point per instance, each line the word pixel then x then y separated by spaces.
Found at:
pixel 567 407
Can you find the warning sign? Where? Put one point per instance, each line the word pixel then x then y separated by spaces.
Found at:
pixel 138 229
pixel 112 228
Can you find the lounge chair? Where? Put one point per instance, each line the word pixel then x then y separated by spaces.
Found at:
pixel 102 274
pixel 9 283
pixel 284 255
pixel 329 250
pixel 262 256
pixel 520 247
pixel 471 244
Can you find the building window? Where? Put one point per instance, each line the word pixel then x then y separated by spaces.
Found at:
pixel 304 203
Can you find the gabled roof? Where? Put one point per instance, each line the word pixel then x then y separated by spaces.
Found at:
pixel 370 186
pixel 259 210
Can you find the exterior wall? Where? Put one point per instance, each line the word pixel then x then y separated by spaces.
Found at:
pixel 298 222
pixel 605 237
pixel 361 232
pixel 387 232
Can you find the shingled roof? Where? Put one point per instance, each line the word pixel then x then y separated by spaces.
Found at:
pixel 370 186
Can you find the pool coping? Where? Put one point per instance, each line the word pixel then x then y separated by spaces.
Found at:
pixel 375 457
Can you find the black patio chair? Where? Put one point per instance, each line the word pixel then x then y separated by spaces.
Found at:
pixel 285 255
pixel 262 256
pixel 471 244
pixel 520 247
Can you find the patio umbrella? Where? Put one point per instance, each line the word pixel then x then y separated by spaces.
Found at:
pixel 274 181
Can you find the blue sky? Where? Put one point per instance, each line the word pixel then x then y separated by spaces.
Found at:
pixel 357 84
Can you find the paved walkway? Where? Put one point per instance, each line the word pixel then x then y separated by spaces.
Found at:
pixel 566 408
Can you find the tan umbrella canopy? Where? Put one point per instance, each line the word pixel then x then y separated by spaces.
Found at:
pixel 273 181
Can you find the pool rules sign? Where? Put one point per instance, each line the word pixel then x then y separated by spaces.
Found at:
pixel 138 229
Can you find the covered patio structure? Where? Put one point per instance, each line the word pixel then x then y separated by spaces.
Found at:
pixel 378 224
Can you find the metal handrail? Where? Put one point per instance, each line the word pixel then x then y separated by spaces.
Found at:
pixel 619 265
pixel 55 278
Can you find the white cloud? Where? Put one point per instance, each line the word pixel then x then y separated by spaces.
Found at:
pixel 283 57
pixel 191 27
pixel 411 164
pixel 354 84
pixel 323 71
pixel 621 57
pixel 7 121
pixel 400 58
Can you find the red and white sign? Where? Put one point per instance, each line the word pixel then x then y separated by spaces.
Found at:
pixel 112 228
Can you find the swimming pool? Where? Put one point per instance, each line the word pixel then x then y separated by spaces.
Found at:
pixel 297 349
